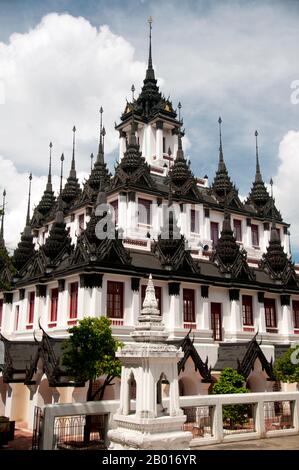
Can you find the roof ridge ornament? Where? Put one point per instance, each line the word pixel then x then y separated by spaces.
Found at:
pixel 2 218
pixel 29 200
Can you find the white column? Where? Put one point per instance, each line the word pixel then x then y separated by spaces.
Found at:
pixel 62 307
pixel 159 140
pixel 38 309
pixel 122 144
pixel 285 321
pixel 175 143
pixel 261 317
pixel 205 321
pixel 135 307
pixel 7 318
pixel 235 316
pixel 83 301
pixel 122 211
pixel 175 318
pixel 96 302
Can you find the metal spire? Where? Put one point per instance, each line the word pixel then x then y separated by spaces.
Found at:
pixel 2 220
pixel 258 176
pixel 150 71
pixel 220 141
pixel 133 90
pixel 29 199
pixel 150 62
pixel 179 107
pixel 91 161
pixel 100 156
pixel 61 172
pixel 103 134
pixel 73 167
pixel 49 184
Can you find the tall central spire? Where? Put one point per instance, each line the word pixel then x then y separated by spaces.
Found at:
pixel 2 219
pixel 73 166
pixel 221 165
pixel 150 74
pixel 29 198
pixel 258 176
pixel 49 184
pixel 100 156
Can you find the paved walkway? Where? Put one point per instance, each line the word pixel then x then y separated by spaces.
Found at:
pixel 22 441
pixel 273 443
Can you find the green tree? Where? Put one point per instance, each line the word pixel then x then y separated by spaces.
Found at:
pixel 286 367
pixel 89 352
pixel 231 381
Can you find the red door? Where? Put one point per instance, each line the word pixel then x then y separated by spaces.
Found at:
pixel 216 321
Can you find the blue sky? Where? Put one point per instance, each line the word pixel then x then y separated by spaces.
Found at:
pixel 228 58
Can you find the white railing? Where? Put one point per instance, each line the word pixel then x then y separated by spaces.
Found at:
pixel 271 414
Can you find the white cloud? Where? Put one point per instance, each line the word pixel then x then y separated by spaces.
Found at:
pixel 286 188
pixel 57 75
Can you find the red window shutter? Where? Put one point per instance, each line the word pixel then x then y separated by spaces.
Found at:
pixel 144 211
pixel 247 311
pixel 238 230
pixel 214 233
pixel 17 314
pixel 74 300
pixel 115 299
pixel 296 313
pixel 158 293
pixel 1 312
pixel 31 307
pixel 270 313
pixel 255 235
pixel 114 205
pixel 189 305
pixel 54 305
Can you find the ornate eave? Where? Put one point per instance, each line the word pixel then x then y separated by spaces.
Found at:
pixel 253 352
pixel 189 350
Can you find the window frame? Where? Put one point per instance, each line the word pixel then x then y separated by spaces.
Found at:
pixel 147 204
pixel 247 315
pixel 237 224
pixel 255 233
pixel 189 301
pixel 270 315
pixel 111 286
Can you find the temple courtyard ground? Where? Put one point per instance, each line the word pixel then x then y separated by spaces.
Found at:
pixel 273 443
pixel 23 441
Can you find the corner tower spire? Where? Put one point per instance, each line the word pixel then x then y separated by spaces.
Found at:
pixel 25 249
pixel 259 195
pixel 222 184
pixel 2 218
pixel 72 189
pixel 29 200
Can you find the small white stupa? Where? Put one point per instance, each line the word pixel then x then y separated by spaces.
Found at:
pixel 146 363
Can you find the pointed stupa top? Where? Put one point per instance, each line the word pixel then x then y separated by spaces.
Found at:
pixel 48 199
pixel 222 184
pixel 58 238
pixel 150 328
pixel 132 158
pixel 150 95
pixel 180 171
pixel 275 256
pixel 25 249
pixel 259 195
pixel 99 178
pixel 72 188
pixel 227 248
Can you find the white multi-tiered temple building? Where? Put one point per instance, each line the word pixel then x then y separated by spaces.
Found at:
pixel 221 267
